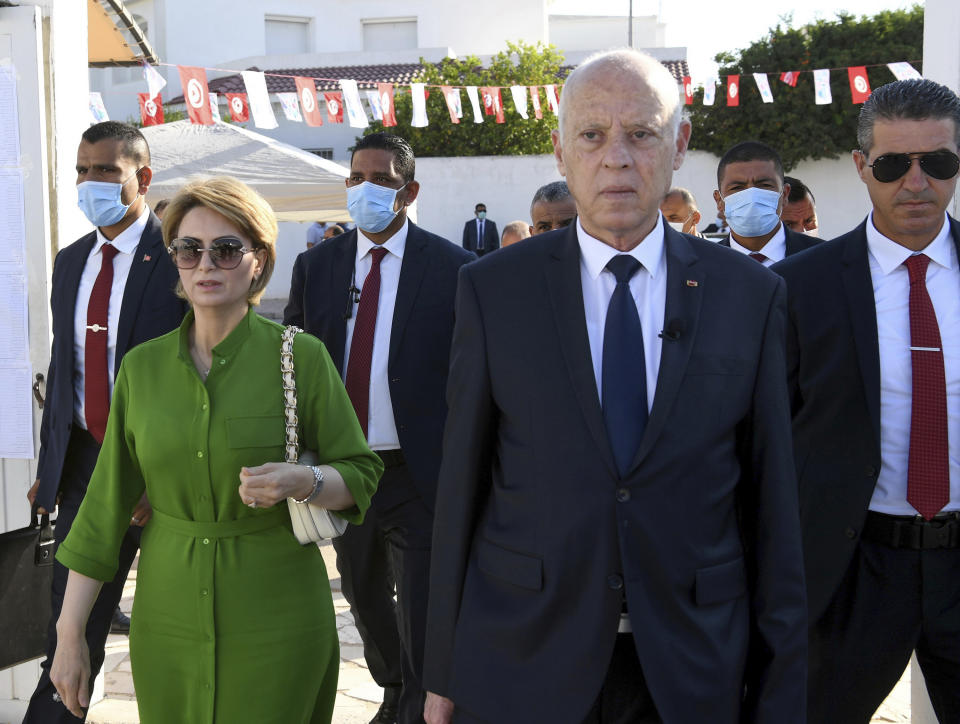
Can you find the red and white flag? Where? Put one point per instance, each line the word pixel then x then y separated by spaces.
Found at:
pixel 859 85
pixel 334 107
pixel 687 90
pixel 790 77
pixel 387 108
pixel 307 91
pixel 151 109
pixel 492 102
pixel 733 90
pixel 452 97
pixel 239 107
pixel 486 93
pixel 535 102
pixel 194 82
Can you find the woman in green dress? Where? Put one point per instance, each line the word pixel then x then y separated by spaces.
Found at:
pixel 233 620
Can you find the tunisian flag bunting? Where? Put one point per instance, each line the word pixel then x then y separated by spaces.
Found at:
pixel 151 109
pixel 487 95
pixel 687 90
pixel 386 104
pixel 452 97
pixel 763 85
pixel 334 107
pixel 790 77
pixel 535 102
pixel 552 103
pixel 519 94
pixel 307 92
pixel 475 103
pixel 859 85
pixel 239 107
pixel 194 82
pixel 733 90
pixel 492 103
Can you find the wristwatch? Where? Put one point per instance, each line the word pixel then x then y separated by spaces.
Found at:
pixel 317 485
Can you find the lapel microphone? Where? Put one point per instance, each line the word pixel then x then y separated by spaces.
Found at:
pixel 674 329
pixel 353 296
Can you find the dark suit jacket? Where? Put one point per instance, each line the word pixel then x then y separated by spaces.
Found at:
pixel 833 362
pixel 149 309
pixel 537 538
pixel 491 237
pixel 419 337
pixel 796 242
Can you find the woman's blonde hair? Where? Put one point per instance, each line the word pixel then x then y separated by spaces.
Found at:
pixel 241 206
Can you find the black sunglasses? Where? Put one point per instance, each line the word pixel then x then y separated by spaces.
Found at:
pixel 226 252
pixel 936 164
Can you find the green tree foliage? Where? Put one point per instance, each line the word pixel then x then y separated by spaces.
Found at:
pixel 520 64
pixel 792 124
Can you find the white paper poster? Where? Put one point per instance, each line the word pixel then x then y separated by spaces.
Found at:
pixel 9 120
pixel 13 243
pixel 373 98
pixel 763 85
pixel 14 334
pixel 903 71
pixel 16 422
pixel 290 106
pixel 98 111
pixel 821 83
pixel 709 91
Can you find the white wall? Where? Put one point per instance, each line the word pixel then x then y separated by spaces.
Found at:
pixel 585 32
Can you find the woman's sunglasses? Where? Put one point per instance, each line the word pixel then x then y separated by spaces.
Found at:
pixel 938 164
pixel 225 253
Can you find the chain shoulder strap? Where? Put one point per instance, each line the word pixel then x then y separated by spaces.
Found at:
pixel 290 393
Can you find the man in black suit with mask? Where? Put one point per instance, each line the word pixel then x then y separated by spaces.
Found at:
pixel 480 235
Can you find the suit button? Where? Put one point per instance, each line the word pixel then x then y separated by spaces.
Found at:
pixel 623 495
pixel 871 471
pixel 615 582
pixel 395 380
pixel 850 533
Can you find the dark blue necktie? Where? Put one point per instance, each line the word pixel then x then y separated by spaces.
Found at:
pixel 624 379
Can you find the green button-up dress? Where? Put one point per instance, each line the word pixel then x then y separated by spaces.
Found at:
pixel 233 620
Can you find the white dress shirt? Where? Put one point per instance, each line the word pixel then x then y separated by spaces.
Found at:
pixel 381 427
pixel 891 292
pixel 126 244
pixel 648 287
pixel 775 249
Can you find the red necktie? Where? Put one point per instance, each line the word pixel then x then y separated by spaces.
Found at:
pixel 757 256
pixel 96 385
pixel 361 344
pixel 928 470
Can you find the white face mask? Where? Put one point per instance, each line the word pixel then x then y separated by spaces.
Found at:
pixel 371 205
pixel 676 225
pixel 752 212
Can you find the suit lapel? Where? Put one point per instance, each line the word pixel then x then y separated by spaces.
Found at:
pixel 566 294
pixel 146 256
pixel 415 261
pixel 71 286
pixel 858 288
pixel 685 281
pixel 338 289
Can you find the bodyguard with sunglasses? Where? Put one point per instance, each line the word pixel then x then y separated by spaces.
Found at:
pixel 874 371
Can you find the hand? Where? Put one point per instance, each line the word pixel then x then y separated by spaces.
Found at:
pixel 70 672
pixel 142 513
pixel 266 485
pixel 437 709
pixel 32 496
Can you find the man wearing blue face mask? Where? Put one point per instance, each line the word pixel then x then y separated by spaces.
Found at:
pixel 381 297
pixel 751 194
pixel 111 290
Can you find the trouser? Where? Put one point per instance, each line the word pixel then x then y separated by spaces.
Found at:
pixel 391 548
pixel 78 467
pixel 890 603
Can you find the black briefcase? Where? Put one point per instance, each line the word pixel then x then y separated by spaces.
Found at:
pixel 26 575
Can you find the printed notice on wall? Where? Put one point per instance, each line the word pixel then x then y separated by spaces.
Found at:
pixel 9 120
pixel 13 241
pixel 16 422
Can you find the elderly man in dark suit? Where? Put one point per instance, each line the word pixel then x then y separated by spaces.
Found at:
pixel 480 235
pixel 111 290
pixel 874 369
pixel 390 337
pixel 617 536
pixel 751 195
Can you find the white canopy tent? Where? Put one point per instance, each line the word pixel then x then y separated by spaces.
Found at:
pixel 298 185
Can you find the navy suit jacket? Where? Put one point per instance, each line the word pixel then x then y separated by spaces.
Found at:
pixel 419 336
pixel 537 538
pixel 149 308
pixel 796 242
pixel 833 363
pixel 491 237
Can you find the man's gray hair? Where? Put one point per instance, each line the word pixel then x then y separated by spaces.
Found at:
pixel 550 193
pixel 656 75
pixel 684 195
pixel 915 100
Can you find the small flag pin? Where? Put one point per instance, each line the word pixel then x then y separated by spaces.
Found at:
pixel 146 257
pixel 692 283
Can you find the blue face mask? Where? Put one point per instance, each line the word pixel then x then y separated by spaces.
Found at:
pixel 752 212
pixel 371 206
pixel 101 201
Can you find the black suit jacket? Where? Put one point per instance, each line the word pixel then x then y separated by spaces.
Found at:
pixel 149 308
pixel 419 336
pixel 491 237
pixel 537 538
pixel 796 242
pixel 833 362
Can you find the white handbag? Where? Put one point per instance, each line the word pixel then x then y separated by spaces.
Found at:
pixel 311 523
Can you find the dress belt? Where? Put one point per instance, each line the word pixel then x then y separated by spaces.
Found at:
pixel 269 518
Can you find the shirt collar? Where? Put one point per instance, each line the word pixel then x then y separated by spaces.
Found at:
pixel 126 241
pixel 395 244
pixel 596 254
pixel 775 249
pixel 889 254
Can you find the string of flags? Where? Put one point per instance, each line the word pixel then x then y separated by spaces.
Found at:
pixel 313 107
